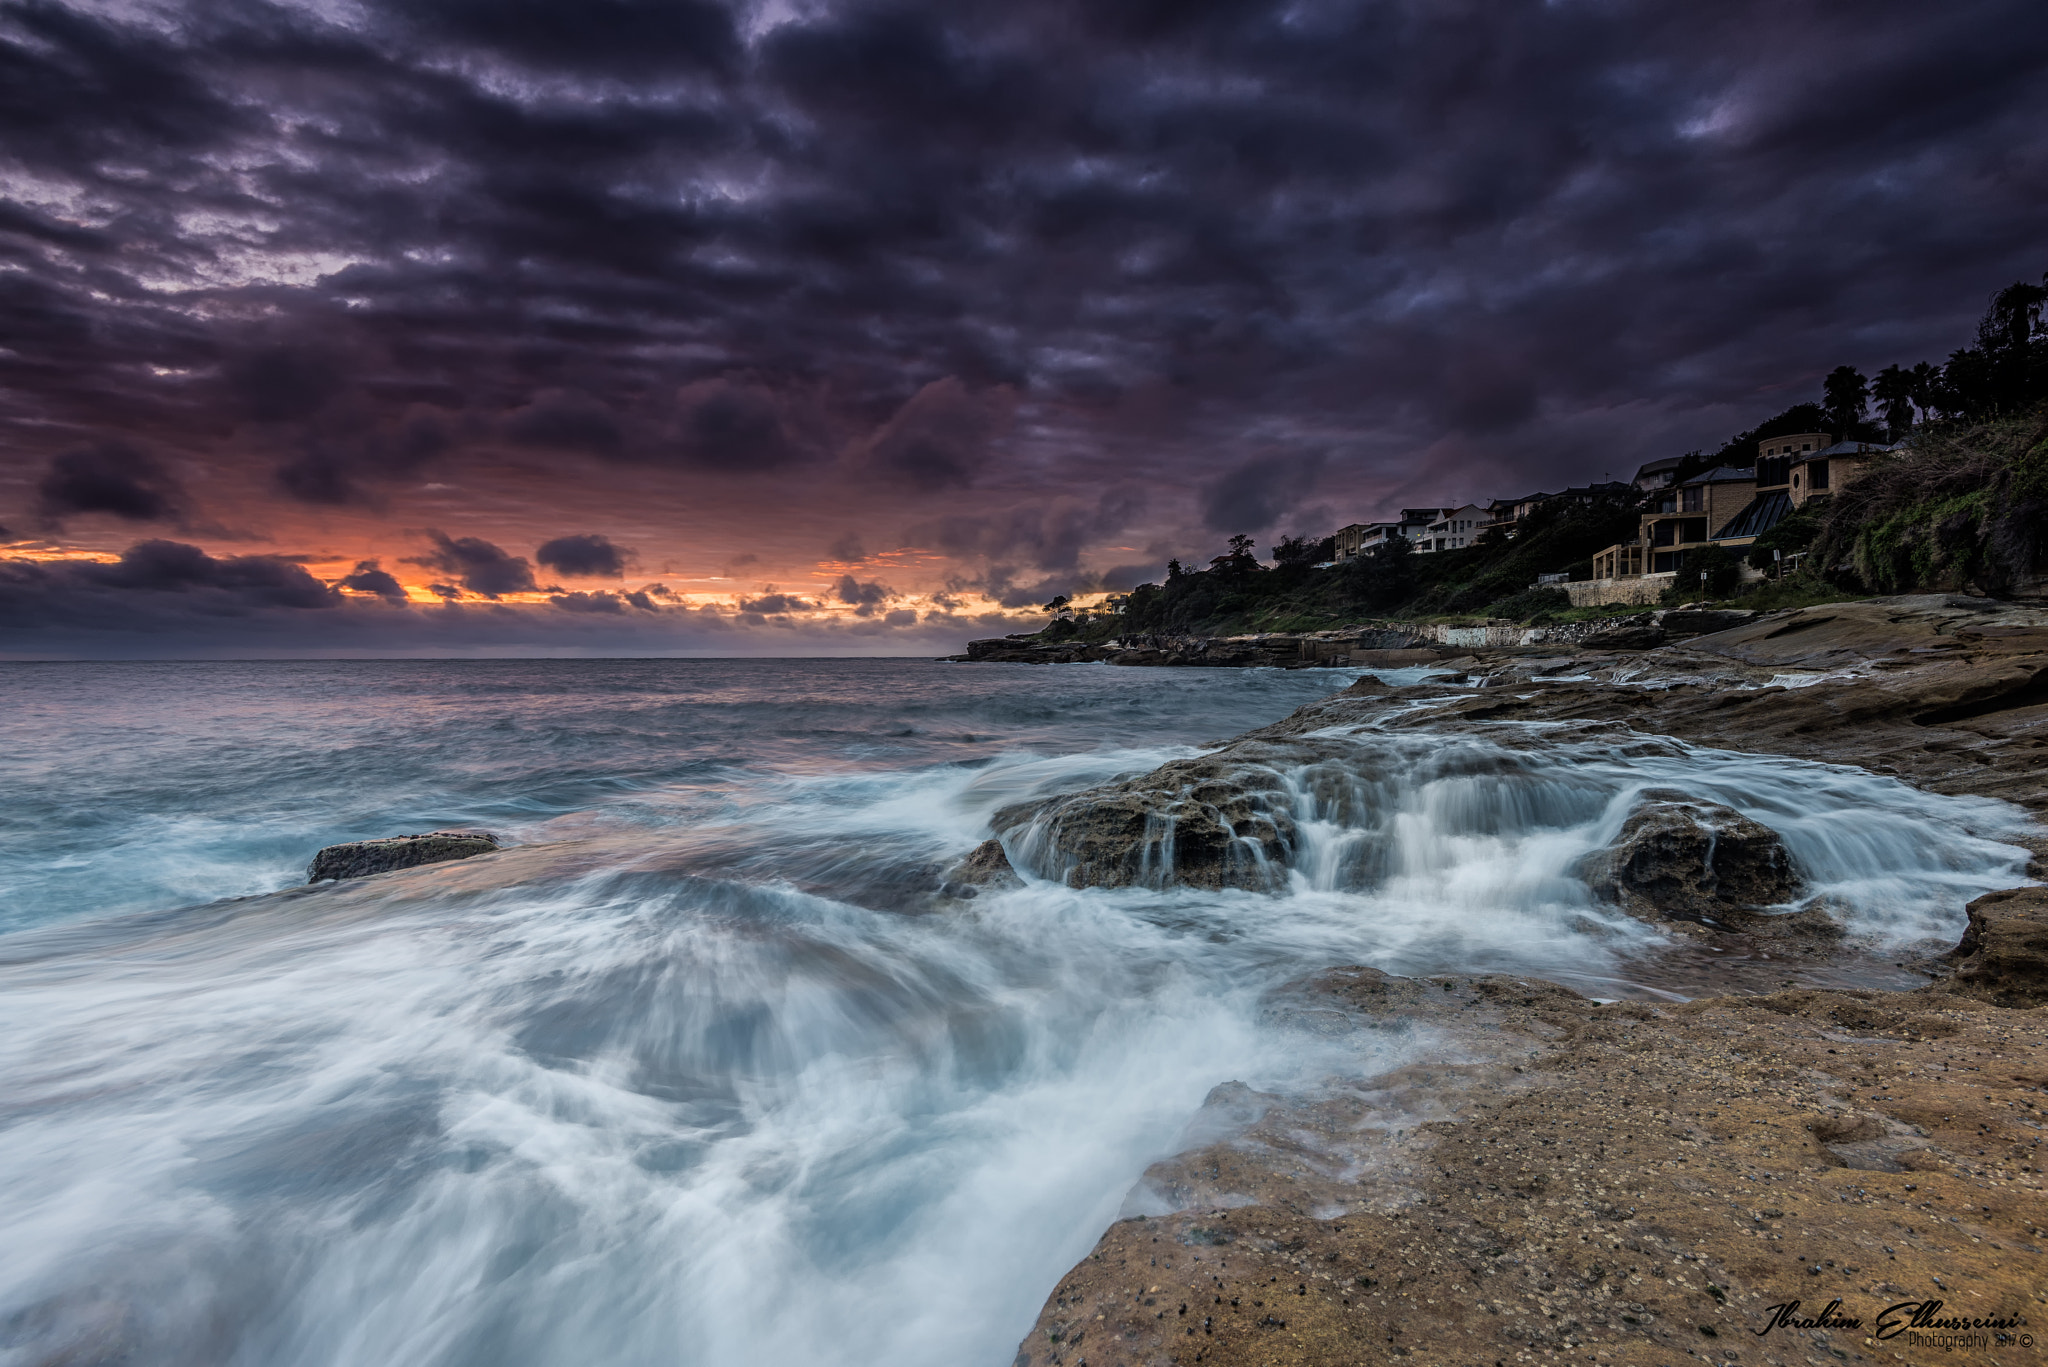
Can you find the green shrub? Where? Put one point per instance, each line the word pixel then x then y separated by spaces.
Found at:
pixel 1544 601
pixel 1964 506
pixel 1709 572
pixel 1789 537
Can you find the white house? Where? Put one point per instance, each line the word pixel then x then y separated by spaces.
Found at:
pixel 1457 528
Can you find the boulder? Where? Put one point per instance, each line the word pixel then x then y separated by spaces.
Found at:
pixel 985 867
pixel 2003 957
pixel 361 858
pixel 1679 858
pixel 1202 823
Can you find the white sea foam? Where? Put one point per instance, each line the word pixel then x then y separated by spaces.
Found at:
pixel 721 1101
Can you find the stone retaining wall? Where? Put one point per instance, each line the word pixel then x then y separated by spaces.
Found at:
pixel 1639 592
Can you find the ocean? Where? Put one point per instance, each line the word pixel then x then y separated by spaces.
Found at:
pixel 701 1070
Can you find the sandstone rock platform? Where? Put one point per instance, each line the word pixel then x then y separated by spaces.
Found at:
pixel 1512 1173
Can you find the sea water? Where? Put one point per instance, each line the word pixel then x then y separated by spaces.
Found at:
pixel 725 1083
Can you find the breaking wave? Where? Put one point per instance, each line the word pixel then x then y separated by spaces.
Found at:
pixel 701 1070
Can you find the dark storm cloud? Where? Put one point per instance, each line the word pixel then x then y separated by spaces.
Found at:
pixel 743 427
pixel 476 565
pixel 646 37
pixel 770 604
pixel 1255 495
pixel 369 577
pixel 347 456
pixel 866 599
pixel 169 599
pixel 586 555
pixel 167 579
pixel 604 600
pixel 991 250
pixel 941 437
pixel 109 477
pixel 1048 534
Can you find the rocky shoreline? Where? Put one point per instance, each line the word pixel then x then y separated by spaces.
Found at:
pixel 1372 645
pixel 1783 1174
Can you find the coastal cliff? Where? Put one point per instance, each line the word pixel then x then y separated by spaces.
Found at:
pixel 1795 1166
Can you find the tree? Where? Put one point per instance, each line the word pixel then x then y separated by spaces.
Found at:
pixel 1239 561
pixel 1843 396
pixel 1057 604
pixel 2007 370
pixel 1295 550
pixel 1893 390
pixel 1174 573
pixel 1382 578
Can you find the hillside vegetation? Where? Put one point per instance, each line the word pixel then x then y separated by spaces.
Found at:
pixel 1963 506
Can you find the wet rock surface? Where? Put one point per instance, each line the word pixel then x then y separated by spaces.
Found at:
pixel 362 858
pixel 986 867
pixel 1565 1180
pixel 2003 957
pixel 1682 859
pixel 1199 823
pixel 1509 1172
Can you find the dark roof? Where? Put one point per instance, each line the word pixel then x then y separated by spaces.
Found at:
pixel 1721 474
pixel 1658 467
pixel 1850 448
pixel 1758 516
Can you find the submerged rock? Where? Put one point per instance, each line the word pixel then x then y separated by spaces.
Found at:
pixel 1679 858
pixel 1201 823
pixel 361 858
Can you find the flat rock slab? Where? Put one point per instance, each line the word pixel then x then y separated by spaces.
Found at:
pixel 1629 1185
pixel 361 858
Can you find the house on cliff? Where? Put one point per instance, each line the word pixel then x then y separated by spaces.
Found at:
pixel 1361 538
pixel 1658 474
pixel 1456 529
pixel 1727 506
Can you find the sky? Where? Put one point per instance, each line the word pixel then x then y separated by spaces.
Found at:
pixel 614 327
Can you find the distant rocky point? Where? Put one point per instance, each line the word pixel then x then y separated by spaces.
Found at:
pixel 361 858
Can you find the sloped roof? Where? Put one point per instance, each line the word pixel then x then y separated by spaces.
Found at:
pixel 1758 516
pixel 1721 474
pixel 1657 467
pixel 1851 448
